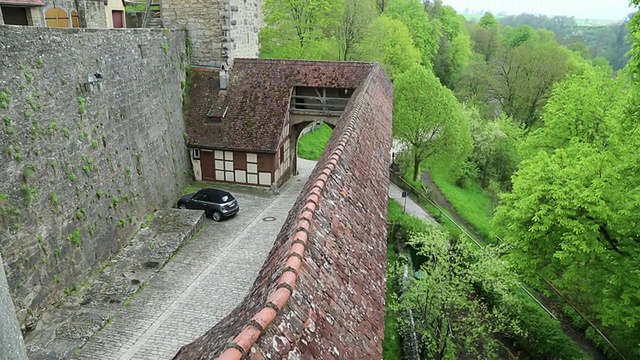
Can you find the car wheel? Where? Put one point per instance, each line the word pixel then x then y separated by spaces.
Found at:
pixel 182 206
pixel 216 216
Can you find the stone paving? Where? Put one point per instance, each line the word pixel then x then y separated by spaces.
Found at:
pixel 203 282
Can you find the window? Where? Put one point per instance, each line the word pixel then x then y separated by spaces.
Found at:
pixel 196 153
pixel 14 15
pixel 74 19
pixel 201 197
pixel 282 154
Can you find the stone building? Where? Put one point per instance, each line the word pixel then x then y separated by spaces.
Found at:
pixel 59 13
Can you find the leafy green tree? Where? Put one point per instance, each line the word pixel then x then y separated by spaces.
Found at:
pixel 458 300
pixel 601 62
pixel 494 148
pixel 488 21
pixel 486 36
pixel 474 82
pixel 428 119
pixel 514 37
pixel 525 77
pixel 299 29
pixel 356 17
pixel 579 46
pixel 571 219
pixel 388 42
pixel 454 50
pixel 585 108
pixel 425 33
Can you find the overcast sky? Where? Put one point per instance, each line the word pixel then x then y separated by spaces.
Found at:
pixel 580 9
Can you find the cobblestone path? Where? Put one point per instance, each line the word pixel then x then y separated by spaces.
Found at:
pixel 203 282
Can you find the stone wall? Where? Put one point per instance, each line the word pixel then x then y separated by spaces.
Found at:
pixel 219 30
pixel 10 337
pixel 246 20
pixel 82 168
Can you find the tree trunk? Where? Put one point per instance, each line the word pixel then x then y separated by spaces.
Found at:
pixel 416 167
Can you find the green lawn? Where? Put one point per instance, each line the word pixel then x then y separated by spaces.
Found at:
pixel 311 146
pixel 469 201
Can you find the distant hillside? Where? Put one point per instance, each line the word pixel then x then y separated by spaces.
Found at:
pixel 579 22
pixel 602 38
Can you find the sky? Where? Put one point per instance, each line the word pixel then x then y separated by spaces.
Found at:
pixel 579 9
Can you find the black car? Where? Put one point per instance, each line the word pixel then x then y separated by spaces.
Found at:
pixel 218 204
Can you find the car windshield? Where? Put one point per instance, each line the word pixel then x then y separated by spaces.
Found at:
pixel 225 198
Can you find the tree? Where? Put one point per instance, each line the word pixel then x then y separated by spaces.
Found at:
pixel 356 17
pixel 381 5
pixel 474 84
pixel 585 108
pixel 425 33
pixel 428 119
pixel 459 301
pixel 454 50
pixel 514 37
pixel 488 21
pixel 525 77
pixel 388 42
pixel 299 29
pixel 486 36
pixel 494 144
pixel 571 219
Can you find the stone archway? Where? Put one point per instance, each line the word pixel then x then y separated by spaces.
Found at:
pixel 298 122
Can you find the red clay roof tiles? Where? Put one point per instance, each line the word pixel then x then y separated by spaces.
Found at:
pixel 256 104
pixel 22 2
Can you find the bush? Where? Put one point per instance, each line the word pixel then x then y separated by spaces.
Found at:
pixel 542 336
pixel 403 223
pixel 392 344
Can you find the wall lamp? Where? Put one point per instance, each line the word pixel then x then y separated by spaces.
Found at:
pixel 94 81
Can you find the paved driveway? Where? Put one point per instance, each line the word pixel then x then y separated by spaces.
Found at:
pixel 203 282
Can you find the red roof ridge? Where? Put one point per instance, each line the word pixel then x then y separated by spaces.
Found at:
pixel 296 61
pixel 248 336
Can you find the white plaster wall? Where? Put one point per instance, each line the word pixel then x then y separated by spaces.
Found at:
pixel 114 5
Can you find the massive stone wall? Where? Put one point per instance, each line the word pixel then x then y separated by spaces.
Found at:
pixel 246 20
pixel 11 342
pixel 219 30
pixel 82 168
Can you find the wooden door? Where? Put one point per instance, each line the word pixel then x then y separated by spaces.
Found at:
pixel 56 17
pixel 207 165
pixel 118 18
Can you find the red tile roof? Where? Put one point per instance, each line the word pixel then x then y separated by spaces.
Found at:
pixel 22 2
pixel 257 102
pixel 321 292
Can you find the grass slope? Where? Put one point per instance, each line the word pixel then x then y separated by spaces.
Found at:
pixel 311 146
pixel 469 201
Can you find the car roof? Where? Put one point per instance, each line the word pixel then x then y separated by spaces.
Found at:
pixel 215 194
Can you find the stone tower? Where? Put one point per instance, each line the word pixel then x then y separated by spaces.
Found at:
pixel 219 30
